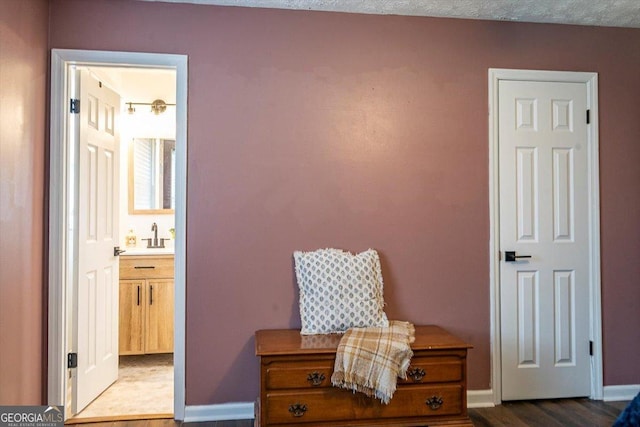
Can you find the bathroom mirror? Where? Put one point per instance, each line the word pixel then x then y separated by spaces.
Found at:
pixel 152 176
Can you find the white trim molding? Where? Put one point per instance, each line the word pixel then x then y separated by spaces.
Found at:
pixel 614 393
pixel 480 399
pixel 595 311
pixel 219 412
pixel 62 191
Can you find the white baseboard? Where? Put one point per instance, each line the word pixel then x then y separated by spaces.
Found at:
pixel 219 412
pixel 480 399
pixel 620 392
pixel 245 410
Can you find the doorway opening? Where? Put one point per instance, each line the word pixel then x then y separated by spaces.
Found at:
pixel 152 91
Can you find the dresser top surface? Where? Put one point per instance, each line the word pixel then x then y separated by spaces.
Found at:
pixel 273 342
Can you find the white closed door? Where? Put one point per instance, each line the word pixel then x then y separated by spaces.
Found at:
pixel 544 299
pixel 96 327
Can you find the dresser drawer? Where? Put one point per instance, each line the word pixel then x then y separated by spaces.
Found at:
pixel 311 374
pixel 437 369
pixel 333 404
pixel 143 267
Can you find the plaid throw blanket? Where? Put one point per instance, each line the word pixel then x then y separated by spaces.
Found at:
pixel 370 360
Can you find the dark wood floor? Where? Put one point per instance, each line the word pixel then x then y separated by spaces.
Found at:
pixel 539 413
pixel 549 413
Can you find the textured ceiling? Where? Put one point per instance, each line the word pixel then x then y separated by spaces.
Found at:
pixel 615 13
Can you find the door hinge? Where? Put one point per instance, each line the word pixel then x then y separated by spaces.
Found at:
pixel 72 360
pixel 74 106
pixel 590 348
pixel 588 116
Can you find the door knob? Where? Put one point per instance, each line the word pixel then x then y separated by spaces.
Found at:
pixel 117 251
pixel 510 256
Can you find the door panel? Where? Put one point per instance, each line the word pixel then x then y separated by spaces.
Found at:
pixel 96 334
pixel 159 317
pixel 544 214
pixel 133 295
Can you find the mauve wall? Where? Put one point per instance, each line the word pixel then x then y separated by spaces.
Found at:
pixel 23 95
pixel 309 130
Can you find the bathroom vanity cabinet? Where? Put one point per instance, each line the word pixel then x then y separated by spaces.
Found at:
pixel 146 304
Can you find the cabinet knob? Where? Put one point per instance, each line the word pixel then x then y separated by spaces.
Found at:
pixel 416 374
pixel 298 409
pixel 315 378
pixel 434 402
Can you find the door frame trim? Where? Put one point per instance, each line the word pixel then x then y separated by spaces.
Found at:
pixel 595 309
pixel 61 264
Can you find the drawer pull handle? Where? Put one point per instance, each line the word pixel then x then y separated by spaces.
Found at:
pixel 144 266
pixel 315 378
pixel 298 409
pixel 416 374
pixel 434 402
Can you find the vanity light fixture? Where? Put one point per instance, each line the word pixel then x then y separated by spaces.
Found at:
pixel 157 107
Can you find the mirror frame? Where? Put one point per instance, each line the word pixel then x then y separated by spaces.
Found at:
pixel 132 210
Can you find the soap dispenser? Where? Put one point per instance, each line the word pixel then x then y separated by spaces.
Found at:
pixel 131 238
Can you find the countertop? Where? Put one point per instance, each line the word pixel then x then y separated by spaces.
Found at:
pixel 148 251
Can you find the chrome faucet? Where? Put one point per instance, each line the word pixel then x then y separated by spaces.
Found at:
pixel 154 228
pixel 153 242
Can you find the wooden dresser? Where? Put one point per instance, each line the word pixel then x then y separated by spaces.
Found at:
pixel 295 383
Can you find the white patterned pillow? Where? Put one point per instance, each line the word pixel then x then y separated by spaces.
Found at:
pixel 339 290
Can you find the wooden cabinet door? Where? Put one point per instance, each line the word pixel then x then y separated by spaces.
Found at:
pixel 159 316
pixel 132 303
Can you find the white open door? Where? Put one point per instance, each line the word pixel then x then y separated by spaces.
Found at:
pixel 96 334
pixel 544 239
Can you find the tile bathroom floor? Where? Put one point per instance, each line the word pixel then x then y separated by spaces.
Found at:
pixel 144 387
